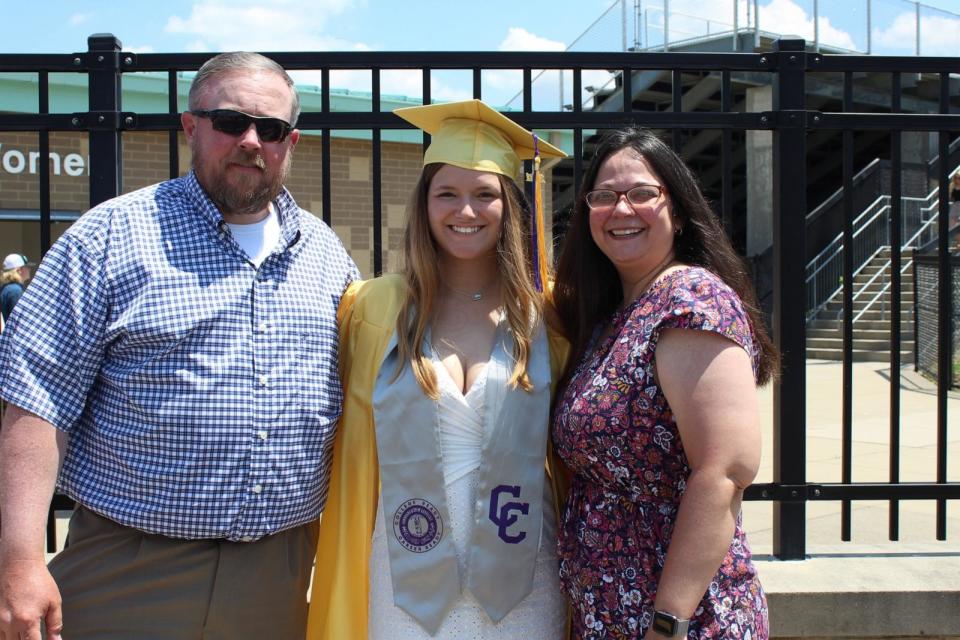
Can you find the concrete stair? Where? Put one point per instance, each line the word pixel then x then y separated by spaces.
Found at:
pixel 871 333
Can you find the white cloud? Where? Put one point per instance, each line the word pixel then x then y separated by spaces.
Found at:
pixel 197 46
pixel 78 19
pixel 290 25
pixel 690 18
pixel 901 34
pixel 787 18
pixel 140 49
pixel 696 18
pixel 286 25
pixel 939 35
pixel 502 86
pixel 519 39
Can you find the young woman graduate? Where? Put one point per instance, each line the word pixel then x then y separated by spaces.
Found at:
pixel 441 517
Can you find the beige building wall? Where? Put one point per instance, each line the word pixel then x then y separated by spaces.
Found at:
pixel 146 162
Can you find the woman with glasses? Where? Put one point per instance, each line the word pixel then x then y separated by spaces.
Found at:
pixel 657 417
pixel 441 520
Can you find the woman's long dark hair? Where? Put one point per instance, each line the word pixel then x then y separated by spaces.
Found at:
pixel 588 289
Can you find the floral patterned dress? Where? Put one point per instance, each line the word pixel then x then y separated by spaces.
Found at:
pixel 617 434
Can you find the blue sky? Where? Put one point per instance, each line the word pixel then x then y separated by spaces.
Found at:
pixel 53 26
pixel 208 25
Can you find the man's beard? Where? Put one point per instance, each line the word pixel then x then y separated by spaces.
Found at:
pixel 248 195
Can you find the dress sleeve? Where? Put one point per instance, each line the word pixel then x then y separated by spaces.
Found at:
pixel 53 345
pixel 701 301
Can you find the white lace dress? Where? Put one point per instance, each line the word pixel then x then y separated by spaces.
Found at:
pixel 541 615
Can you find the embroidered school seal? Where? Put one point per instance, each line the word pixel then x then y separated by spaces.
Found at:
pixel 418 525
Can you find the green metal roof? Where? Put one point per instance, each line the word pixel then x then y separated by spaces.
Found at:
pixel 147 93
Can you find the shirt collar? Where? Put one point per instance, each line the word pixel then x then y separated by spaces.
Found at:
pixel 287 209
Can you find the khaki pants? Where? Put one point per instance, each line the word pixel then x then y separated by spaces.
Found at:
pixel 120 583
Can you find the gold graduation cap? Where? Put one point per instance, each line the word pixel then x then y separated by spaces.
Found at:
pixel 472 135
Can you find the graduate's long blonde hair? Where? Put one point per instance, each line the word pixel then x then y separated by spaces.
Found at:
pixel 521 301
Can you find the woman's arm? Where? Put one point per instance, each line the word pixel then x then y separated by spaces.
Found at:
pixel 708 382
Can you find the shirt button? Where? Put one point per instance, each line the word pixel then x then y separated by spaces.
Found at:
pixel 263 327
pixel 262 435
pixel 263 380
pixel 257 488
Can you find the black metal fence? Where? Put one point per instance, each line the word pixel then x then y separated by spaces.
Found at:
pixel 927 315
pixel 791 122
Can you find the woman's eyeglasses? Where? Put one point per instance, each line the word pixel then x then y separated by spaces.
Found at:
pixel 235 123
pixel 608 198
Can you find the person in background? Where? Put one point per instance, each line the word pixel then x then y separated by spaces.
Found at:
pixel 173 368
pixel 657 418
pixel 441 521
pixel 16 274
pixel 955 201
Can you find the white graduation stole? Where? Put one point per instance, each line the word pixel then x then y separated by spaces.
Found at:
pixel 509 513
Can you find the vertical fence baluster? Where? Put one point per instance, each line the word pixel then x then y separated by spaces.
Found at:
pixel 377 181
pixel 945 310
pixel 896 240
pixel 726 156
pixel 676 90
pixel 789 220
pixel 173 106
pixel 44 164
pixel 846 460
pixel 325 180
pixel 103 61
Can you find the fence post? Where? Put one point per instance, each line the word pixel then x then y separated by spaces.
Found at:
pixel 103 63
pixel 789 314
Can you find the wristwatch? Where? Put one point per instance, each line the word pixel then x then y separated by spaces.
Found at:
pixel 669 625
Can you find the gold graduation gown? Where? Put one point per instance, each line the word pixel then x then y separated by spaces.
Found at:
pixel 367 319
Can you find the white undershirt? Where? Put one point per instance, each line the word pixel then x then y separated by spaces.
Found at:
pixel 259 239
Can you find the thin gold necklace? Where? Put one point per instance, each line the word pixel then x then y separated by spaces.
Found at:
pixel 476 295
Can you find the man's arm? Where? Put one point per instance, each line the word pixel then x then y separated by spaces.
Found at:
pixel 31 451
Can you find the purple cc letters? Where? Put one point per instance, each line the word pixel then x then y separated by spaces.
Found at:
pixel 503 515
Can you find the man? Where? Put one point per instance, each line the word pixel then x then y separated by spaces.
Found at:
pixel 176 353
pixel 16 273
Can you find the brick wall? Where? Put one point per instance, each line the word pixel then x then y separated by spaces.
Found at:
pixel 146 161
pixel 19 185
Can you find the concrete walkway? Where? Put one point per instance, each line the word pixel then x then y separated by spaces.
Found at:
pixel 871 586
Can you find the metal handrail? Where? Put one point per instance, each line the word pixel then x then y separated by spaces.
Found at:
pixel 882 291
pixel 835 197
pixel 856 294
pixel 826 262
pixel 838 240
pixel 906 245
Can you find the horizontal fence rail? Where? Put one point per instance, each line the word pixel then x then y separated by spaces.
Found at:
pixel 648 89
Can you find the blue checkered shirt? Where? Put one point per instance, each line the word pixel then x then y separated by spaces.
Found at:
pixel 200 393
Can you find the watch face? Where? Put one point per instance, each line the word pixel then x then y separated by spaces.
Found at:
pixel 663 624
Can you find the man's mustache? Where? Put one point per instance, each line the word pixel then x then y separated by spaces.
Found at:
pixel 254 160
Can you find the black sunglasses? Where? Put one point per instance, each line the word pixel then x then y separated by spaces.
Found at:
pixel 235 123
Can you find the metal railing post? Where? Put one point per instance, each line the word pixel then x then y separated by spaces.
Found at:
pixel 104 118
pixel 666 25
pixel 789 314
pixel 623 28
